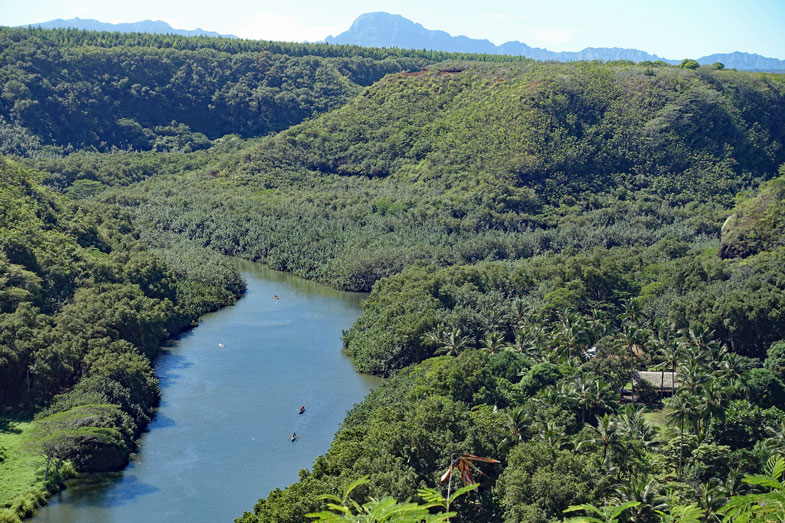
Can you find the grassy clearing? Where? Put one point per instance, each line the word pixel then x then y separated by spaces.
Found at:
pixel 659 420
pixel 18 470
pixel 22 487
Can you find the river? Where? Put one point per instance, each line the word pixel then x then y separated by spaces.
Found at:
pixel 220 439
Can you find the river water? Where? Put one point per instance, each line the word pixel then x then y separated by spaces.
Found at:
pixel 220 439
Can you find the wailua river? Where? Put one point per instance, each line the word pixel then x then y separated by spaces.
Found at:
pixel 220 440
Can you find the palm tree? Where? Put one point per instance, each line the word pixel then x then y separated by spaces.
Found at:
pixel 571 337
pixel 629 343
pixel 606 434
pixel 517 422
pixel 598 325
pixel 493 342
pixel 520 314
pixel 530 340
pixel 464 465
pixel 671 356
pixel 446 342
pixel 668 350
pixel 633 424
pixel 712 402
pixel 631 313
pixel 711 498
pixel 731 368
pixel 549 397
pixel 776 440
pixel 693 375
pixel 553 435
pixel 645 491
pixel 582 392
pixel 681 409
pixel 703 340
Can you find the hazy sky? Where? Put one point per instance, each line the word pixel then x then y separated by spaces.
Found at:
pixel 669 28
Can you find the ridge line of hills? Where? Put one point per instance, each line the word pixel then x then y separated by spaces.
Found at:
pixel 380 29
pixel 143 26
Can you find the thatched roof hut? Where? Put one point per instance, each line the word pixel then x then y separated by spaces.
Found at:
pixel 655 379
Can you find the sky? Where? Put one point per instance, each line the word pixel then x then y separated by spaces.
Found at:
pixel 672 29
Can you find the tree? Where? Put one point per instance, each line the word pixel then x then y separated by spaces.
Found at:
pixel 775 358
pixel 732 368
pixel 629 344
pixel 712 403
pixel 776 440
pixel 571 337
pixel 681 408
pixel 668 350
pixel 517 422
pixel 606 434
pixel 711 498
pixel 605 514
pixel 633 424
pixel 764 388
pixel 450 342
pixel 689 63
pixel 645 491
pixel 493 342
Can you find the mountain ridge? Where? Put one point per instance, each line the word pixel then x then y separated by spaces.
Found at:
pixel 142 26
pixel 381 29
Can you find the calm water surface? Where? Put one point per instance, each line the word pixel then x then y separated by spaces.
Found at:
pixel 220 439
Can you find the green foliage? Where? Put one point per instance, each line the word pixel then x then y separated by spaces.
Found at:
pixel 387 509
pixel 767 506
pixel 606 514
pixel 540 477
pixel 168 93
pixel 757 223
pixel 689 63
pixel 775 358
pixel 540 376
pixel 743 424
pixel 764 388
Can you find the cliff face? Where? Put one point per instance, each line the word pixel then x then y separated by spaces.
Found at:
pixel 757 224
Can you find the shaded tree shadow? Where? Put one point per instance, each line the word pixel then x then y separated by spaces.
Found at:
pixel 167 366
pixel 104 490
pixel 161 421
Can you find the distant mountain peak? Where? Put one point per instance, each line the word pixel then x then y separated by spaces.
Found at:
pixel 380 29
pixel 145 26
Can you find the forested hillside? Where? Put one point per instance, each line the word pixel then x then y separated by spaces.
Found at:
pixel 534 236
pixel 75 89
pixel 466 162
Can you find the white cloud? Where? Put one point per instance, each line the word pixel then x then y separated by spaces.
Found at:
pixel 269 26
